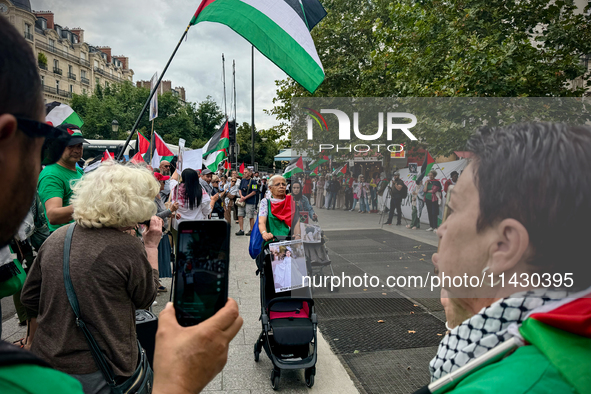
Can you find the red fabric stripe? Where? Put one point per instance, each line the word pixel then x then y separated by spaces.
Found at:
pixel 574 317
pixel 203 4
pixel 283 210
pixel 226 131
pixel 304 313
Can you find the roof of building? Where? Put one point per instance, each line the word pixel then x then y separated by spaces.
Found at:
pixel 24 4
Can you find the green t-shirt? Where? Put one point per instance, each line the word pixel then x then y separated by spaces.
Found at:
pixel 55 181
pixel 33 379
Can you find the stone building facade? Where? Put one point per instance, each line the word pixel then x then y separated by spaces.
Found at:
pixel 67 64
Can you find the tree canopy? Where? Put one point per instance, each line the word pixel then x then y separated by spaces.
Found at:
pixel 195 123
pixel 458 48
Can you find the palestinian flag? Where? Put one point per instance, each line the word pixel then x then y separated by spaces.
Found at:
pixel 295 166
pixel 323 159
pixel 58 113
pixel 220 140
pixel 341 171
pixel 227 165
pixel 241 170
pixel 561 331
pixel 108 155
pixel 315 172
pixel 158 148
pixel 426 167
pixel 213 160
pixel 279 29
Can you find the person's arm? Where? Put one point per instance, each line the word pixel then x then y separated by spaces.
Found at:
pixel 151 238
pixel 186 359
pixel 56 213
pixel 31 291
pixel 425 187
pixel 214 198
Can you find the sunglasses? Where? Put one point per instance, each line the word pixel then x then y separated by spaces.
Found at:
pixel 55 143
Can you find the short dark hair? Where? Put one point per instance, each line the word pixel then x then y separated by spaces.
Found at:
pixel 20 85
pixel 537 173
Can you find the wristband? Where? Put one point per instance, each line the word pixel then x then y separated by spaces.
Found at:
pixel 264 232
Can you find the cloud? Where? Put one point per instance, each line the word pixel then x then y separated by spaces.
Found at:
pixel 147 32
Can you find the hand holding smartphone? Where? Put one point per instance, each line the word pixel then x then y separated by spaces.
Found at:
pixel 201 270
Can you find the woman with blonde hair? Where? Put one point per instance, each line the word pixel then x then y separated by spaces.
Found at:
pixel 112 273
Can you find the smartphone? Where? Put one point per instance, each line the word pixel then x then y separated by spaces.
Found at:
pixel 201 270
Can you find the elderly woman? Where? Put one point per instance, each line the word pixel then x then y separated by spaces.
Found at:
pixel 301 202
pixel 276 213
pixel 112 272
pixel 539 320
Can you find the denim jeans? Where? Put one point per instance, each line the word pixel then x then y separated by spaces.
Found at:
pixel 363 204
pixel 354 203
pixel 332 200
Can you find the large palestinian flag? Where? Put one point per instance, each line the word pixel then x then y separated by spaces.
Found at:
pixel 279 29
pixel 295 166
pixel 58 113
pixel 220 140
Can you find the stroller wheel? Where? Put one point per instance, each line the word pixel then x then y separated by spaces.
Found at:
pixel 275 379
pixel 256 353
pixel 309 375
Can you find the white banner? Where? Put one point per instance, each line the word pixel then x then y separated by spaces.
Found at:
pixel 181 155
pixel 154 101
pixel 443 171
pixel 192 159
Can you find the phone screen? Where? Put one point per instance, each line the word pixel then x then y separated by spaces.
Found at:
pixel 201 272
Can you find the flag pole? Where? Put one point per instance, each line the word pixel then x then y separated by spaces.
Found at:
pixel 152 141
pixel 143 111
pixel 252 116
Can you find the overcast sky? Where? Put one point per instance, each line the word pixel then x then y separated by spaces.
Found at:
pixel 147 32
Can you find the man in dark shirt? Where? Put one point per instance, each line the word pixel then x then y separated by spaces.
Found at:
pixel 248 190
pixel 398 193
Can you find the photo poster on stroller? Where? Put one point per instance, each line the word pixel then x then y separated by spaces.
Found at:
pixel 311 233
pixel 288 263
pixel 201 270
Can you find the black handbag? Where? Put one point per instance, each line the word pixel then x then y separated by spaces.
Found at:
pixel 142 380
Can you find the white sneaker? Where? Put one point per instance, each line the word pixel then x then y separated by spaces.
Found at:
pixel 154 303
pixel 429 229
pixel 435 231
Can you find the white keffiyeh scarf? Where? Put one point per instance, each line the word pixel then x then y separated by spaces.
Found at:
pixel 487 329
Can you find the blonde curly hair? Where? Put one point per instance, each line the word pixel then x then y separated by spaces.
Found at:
pixel 115 195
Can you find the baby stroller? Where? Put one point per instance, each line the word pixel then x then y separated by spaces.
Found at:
pixel 317 257
pixel 289 325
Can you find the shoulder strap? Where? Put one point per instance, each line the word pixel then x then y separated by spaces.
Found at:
pixel 95 350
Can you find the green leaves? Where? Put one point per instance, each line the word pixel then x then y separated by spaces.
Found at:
pixel 474 48
pixel 194 123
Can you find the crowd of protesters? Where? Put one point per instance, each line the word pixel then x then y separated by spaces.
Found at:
pixel 112 271
pixel 381 195
pixel 498 224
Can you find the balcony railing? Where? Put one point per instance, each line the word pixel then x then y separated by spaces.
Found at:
pixel 28 36
pixel 57 71
pixel 59 92
pixel 43 66
pixel 84 62
pixel 108 75
pixel 59 52
pixel 72 76
pixel 85 81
